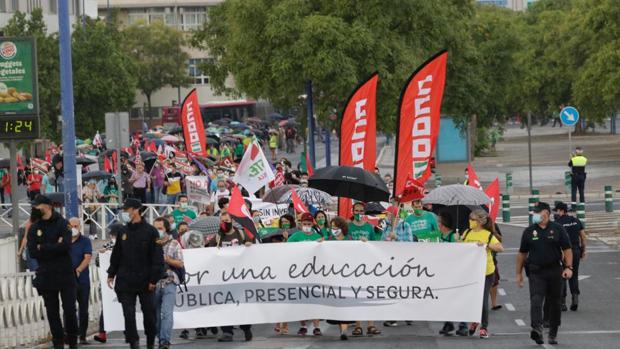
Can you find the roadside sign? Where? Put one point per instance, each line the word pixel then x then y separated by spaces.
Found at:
pixel 19 100
pixel 569 116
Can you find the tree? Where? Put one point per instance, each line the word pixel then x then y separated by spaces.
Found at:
pixel 48 66
pixel 157 54
pixel 103 77
pixel 272 48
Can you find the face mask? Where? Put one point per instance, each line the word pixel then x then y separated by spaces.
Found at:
pixel 221 190
pixel 321 221
pixel 536 218
pixel 75 232
pixel 183 205
pixel 162 233
pixel 336 232
pixel 36 214
pixel 226 226
pixel 357 217
pixel 125 217
pixel 113 241
pixel 256 219
pixel 173 226
pixel 418 211
pixel 306 229
pixel 286 225
pixel 473 224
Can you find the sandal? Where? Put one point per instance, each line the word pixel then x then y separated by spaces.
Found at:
pixel 316 332
pixel 357 332
pixel 372 331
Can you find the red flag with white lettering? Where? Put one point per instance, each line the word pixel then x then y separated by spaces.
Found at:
pixel 418 122
pixel 107 166
pixel 358 133
pixel 193 128
pixel 492 192
pixel 240 213
pixel 472 177
pixel 297 203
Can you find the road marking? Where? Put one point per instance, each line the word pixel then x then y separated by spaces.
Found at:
pixel 520 322
pixel 561 333
pixel 510 307
pixel 548 346
pixel 583 277
pixel 501 292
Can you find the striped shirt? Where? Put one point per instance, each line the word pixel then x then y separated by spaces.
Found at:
pixel 172 249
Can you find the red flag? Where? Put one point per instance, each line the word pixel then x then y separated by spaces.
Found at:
pixel 20 163
pixel 48 156
pixel 309 169
pixel 297 203
pixel 418 122
pixel 358 133
pixel 493 193
pixel 472 177
pixel 414 190
pixel 193 129
pixel 240 213
pixel 114 161
pixel 107 166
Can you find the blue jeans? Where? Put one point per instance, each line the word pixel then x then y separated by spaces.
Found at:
pixel 164 310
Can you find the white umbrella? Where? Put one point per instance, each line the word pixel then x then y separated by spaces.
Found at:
pixel 457 194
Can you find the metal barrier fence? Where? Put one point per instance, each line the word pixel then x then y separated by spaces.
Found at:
pixel 96 217
pixel 23 320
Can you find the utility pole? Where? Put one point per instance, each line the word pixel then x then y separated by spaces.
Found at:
pixel 529 147
pixel 68 121
pixel 310 118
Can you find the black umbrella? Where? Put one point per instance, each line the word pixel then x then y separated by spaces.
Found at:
pixel 374 208
pixel 97 175
pixel 212 141
pixel 277 116
pixel 84 161
pixel 176 130
pixel 58 198
pixel 350 182
pixel 275 195
pixel 5 163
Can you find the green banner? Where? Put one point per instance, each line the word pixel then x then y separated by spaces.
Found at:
pixel 18 76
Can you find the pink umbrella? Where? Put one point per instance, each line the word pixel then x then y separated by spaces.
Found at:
pixel 170 139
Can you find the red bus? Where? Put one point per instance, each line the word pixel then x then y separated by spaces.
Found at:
pixel 234 110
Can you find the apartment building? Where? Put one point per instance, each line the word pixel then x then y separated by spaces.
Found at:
pixel 77 8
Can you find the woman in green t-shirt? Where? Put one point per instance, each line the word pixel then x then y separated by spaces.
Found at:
pixel 321 221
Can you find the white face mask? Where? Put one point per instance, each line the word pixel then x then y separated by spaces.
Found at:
pixel 173 226
pixel 75 232
pixel 183 205
pixel 306 229
pixel 162 233
pixel 336 232
pixel 125 217
pixel 113 241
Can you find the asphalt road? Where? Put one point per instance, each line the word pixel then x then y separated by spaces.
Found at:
pixel 595 325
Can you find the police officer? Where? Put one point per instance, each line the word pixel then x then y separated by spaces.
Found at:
pixel 546 250
pixel 136 264
pixel 577 235
pixel 577 164
pixel 49 241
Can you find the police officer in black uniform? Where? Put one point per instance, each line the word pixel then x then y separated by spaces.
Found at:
pixel 136 264
pixel 49 242
pixel 577 235
pixel 546 254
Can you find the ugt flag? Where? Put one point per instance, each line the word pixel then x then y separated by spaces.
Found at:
pixel 193 129
pixel 358 133
pixel 418 122
pixel 254 171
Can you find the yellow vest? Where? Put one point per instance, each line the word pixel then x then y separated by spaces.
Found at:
pixel 579 161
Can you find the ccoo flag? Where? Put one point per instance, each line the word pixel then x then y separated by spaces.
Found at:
pixel 358 133
pixel 418 121
pixel 193 129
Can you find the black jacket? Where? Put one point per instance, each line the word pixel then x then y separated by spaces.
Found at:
pixel 137 259
pixel 49 242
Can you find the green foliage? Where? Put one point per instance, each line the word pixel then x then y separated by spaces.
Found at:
pixel 48 66
pixel 103 78
pixel 156 51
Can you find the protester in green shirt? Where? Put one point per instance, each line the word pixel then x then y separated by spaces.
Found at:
pixel 423 223
pixel 183 211
pixel 321 221
pixel 359 229
pixel 308 232
pixel 239 150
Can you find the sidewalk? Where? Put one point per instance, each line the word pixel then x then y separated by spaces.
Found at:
pixel 550 156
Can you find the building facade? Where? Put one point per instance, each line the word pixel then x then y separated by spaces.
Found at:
pixel 185 15
pixel 77 8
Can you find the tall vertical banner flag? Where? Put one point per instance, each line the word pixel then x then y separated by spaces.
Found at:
pixel 358 133
pixel 492 192
pixel 193 129
pixel 418 122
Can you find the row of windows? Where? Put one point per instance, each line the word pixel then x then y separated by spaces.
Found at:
pixel 194 71
pixel 48 6
pixel 185 18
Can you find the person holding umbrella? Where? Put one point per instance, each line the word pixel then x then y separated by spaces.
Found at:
pixel 482 232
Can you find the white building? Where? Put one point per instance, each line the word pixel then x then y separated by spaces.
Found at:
pixel 77 8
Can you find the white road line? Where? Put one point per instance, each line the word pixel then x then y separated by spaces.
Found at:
pixel 520 322
pixel 548 346
pixel 561 332
pixel 510 307
pixel 501 292
pixel 583 277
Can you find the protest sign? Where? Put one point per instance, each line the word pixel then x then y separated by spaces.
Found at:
pixel 349 280
pixel 197 188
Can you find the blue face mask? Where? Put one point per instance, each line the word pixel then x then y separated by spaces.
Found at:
pixel 536 218
pixel 125 217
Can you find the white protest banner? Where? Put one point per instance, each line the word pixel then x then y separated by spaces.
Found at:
pixel 348 280
pixel 269 210
pixel 254 171
pixel 197 188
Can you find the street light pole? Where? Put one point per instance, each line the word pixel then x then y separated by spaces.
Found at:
pixel 68 124
pixel 529 147
pixel 310 118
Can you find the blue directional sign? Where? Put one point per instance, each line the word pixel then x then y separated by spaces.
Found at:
pixel 569 116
